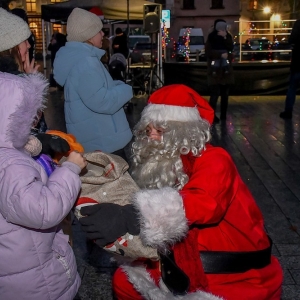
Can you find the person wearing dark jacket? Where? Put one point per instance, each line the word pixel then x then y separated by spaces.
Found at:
pixel 58 40
pixel 119 44
pixel 219 47
pixel 294 39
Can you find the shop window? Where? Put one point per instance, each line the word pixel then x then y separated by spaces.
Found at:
pixel 31 5
pixel 217 4
pixel 252 5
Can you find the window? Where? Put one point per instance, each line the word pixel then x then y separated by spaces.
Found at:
pixel 216 4
pixel 31 5
pixel 252 5
pixel 188 4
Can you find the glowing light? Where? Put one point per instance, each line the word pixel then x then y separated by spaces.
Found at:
pixel 267 10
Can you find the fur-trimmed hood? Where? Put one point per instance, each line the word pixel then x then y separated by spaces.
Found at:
pixel 21 98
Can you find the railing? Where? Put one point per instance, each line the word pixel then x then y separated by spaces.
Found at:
pixel 275 28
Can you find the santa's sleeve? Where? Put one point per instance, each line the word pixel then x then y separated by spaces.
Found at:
pixel 166 214
pixel 162 217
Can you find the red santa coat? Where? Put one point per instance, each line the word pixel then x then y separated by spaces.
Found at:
pixel 216 199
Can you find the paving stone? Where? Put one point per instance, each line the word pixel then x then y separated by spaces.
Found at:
pixel 296 275
pixel 290 292
pixel 289 249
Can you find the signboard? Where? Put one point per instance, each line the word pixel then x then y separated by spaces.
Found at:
pixel 166 17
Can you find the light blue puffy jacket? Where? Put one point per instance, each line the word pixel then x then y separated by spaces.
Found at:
pixel 93 100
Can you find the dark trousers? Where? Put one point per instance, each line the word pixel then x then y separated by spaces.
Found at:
pixel 292 91
pixel 216 91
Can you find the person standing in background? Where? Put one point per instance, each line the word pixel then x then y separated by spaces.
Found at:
pixel 119 44
pixel 57 41
pixel 219 46
pixel 294 39
pixel 106 47
pixel 93 100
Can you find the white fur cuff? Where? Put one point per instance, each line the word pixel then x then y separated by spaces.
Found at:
pixel 162 217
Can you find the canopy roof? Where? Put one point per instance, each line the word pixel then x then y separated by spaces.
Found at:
pixel 113 10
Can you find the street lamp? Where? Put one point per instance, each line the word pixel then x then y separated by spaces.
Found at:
pixel 267 10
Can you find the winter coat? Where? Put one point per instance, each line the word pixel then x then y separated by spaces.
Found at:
pixel 36 260
pixel 217 206
pixel 214 47
pixel 93 100
pixel 121 41
pixel 294 39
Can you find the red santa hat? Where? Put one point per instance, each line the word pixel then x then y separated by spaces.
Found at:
pixel 178 102
pixel 97 11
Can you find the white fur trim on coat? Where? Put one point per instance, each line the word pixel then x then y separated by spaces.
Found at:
pixel 162 217
pixel 161 112
pixel 145 285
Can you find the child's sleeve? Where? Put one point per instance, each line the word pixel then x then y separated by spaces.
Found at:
pixel 27 201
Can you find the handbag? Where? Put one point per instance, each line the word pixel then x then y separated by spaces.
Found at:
pixel 106 180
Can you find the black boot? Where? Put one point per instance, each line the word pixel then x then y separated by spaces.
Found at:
pixel 223 117
pixel 286 115
pixel 216 120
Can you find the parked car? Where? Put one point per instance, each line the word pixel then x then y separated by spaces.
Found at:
pixel 246 53
pixel 196 44
pixel 133 39
pixel 282 51
pixel 141 53
pixel 261 45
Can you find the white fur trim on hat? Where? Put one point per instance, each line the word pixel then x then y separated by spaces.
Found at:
pixel 82 25
pixel 162 217
pixel 145 285
pixel 13 30
pixel 162 112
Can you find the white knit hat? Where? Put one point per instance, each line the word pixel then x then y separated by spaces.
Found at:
pixel 82 25
pixel 13 30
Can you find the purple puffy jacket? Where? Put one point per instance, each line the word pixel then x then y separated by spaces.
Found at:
pixel 36 261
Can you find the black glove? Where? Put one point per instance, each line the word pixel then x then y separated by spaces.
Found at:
pixel 106 222
pixel 52 144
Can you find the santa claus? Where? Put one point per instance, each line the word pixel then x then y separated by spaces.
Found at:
pixel 193 207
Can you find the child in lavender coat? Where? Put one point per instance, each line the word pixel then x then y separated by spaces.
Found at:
pixel 36 260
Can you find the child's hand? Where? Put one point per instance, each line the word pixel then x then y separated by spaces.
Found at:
pixel 30 67
pixel 78 159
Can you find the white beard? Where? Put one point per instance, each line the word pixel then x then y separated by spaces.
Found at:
pixel 154 168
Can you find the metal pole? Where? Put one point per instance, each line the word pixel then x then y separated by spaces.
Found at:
pixel 160 58
pixel 127 18
pixel 44 48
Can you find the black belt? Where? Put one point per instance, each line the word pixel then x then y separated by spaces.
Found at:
pixel 221 262
pixel 213 262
